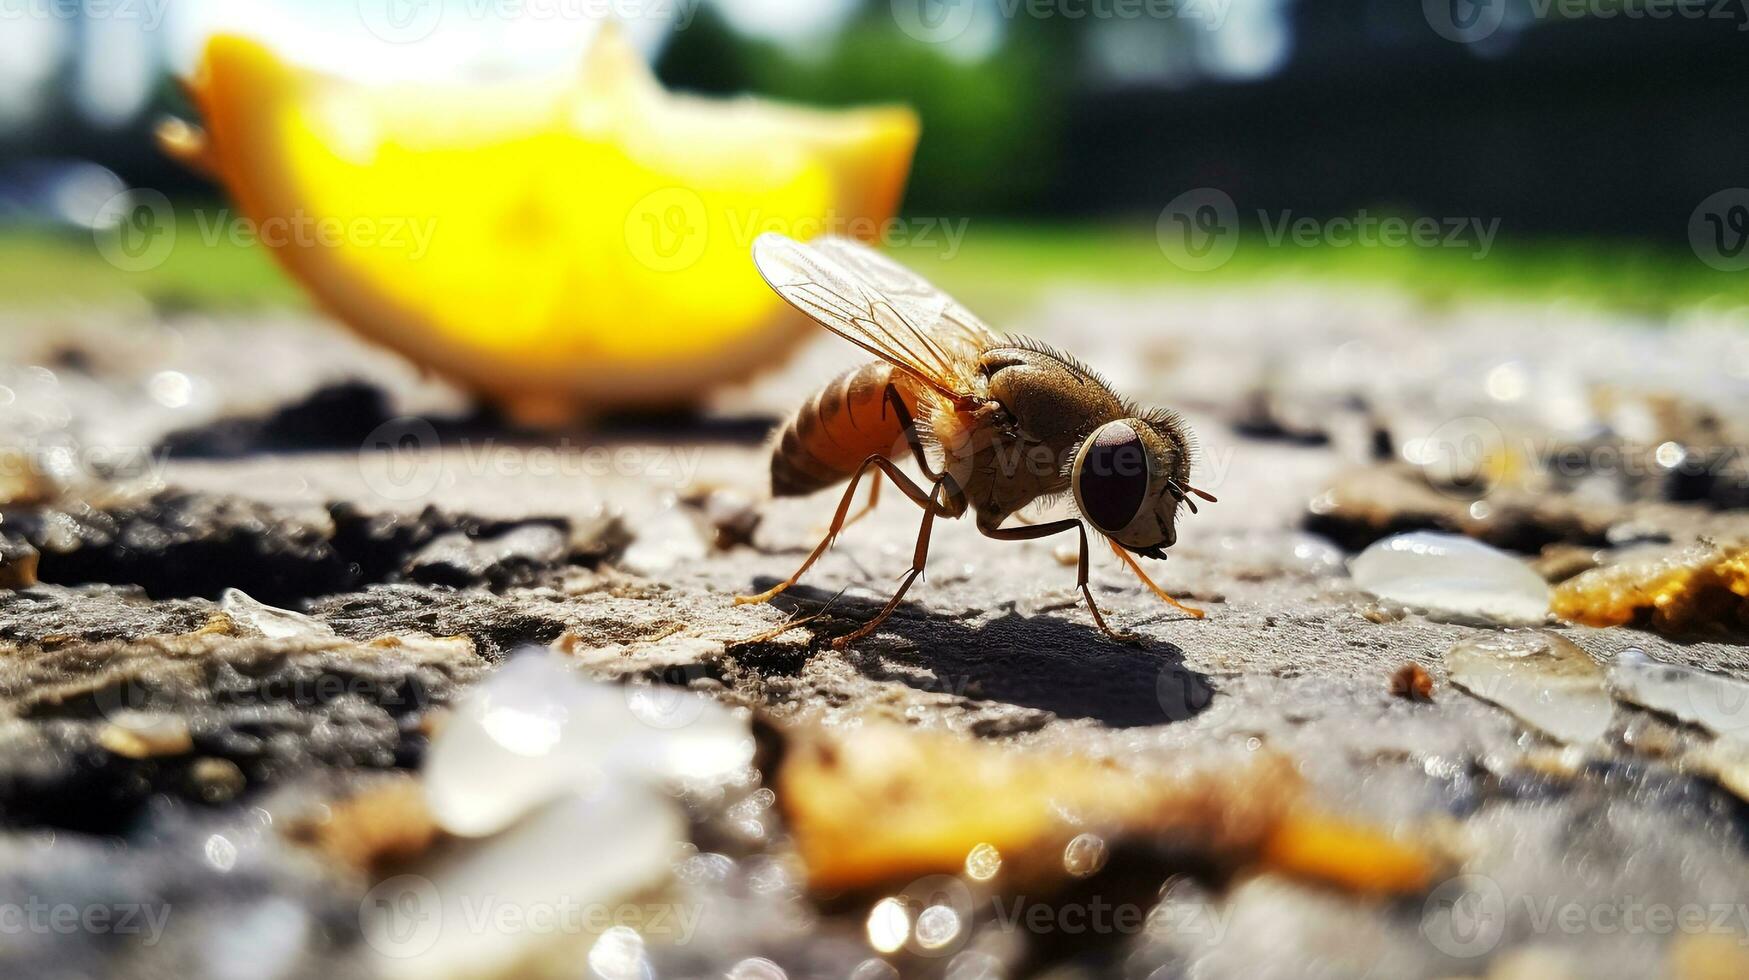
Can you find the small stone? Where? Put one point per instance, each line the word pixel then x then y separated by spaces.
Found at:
pixel 1544 680
pixel 216 780
pixel 385 825
pixel 144 735
pixel 732 515
pixel 515 557
pixel 17 564
pixel 24 482
pixel 273 622
pixel 1453 575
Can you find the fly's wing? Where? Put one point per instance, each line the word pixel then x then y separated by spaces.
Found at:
pixel 880 306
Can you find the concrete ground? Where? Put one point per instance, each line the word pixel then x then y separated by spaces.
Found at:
pixel 185 456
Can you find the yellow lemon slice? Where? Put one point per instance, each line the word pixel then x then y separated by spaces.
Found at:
pixel 556 245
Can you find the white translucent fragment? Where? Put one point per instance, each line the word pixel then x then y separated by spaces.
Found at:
pixel 665 539
pixel 1453 575
pixel 1715 702
pixel 272 621
pixel 1544 680
pixel 493 906
pixel 537 729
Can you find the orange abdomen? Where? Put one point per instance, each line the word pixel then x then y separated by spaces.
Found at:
pixel 845 422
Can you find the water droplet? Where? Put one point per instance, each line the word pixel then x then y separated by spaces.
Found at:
pixel 618 954
pixel 983 861
pixel 1084 855
pixel 937 926
pixel 220 852
pixel 1508 382
pixel 756 968
pixel 889 925
pixel 973 965
pixel 171 389
pixel 874 969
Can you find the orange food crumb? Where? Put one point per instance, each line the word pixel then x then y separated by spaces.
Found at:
pixel 1672 592
pixel 1412 682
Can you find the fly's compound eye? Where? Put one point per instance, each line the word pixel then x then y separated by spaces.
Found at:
pixel 1111 477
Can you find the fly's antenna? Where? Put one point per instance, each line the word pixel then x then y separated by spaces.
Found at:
pixel 1183 491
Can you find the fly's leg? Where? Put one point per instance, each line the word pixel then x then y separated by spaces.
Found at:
pixel 1032 531
pixel 893 401
pixel 900 480
pixel 874 497
pixel 908 425
pixel 917 558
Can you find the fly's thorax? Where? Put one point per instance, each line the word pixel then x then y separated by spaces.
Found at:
pixel 1053 401
pixel 1122 479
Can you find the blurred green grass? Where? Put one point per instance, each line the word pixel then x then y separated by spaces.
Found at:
pixel 1006 264
pixel 996 269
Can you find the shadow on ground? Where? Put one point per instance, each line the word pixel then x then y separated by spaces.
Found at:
pixel 1043 662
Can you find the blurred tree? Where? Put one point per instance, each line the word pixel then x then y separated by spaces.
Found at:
pixel 992 125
